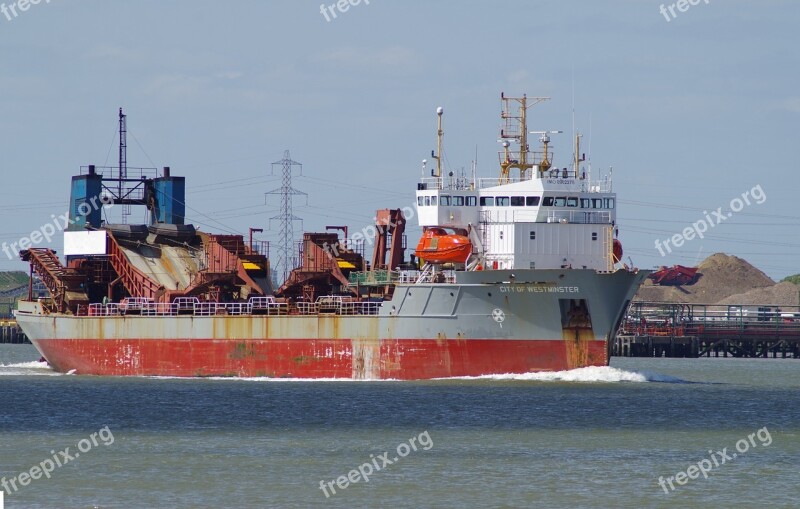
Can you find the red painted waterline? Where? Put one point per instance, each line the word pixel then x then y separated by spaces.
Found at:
pixel 406 359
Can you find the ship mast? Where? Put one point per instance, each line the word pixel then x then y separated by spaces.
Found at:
pixel 545 164
pixel 515 130
pixel 578 158
pixel 438 154
pixel 123 162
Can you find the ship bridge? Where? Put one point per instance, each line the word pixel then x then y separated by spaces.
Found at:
pixel 546 218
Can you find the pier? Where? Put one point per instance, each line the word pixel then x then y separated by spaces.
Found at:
pixel 700 330
pixel 9 330
pixel 14 285
pixel 11 333
pixel 655 346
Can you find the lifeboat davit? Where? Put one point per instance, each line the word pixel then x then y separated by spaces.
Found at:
pixel 439 246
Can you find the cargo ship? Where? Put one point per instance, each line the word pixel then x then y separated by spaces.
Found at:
pixel 516 273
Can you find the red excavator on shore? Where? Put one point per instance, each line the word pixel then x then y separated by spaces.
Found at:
pixel 677 275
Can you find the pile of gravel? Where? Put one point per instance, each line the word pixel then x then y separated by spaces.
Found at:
pixel 781 294
pixel 722 277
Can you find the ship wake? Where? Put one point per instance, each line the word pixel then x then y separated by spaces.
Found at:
pixel 591 374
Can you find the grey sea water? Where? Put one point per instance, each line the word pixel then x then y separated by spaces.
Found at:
pixel 599 437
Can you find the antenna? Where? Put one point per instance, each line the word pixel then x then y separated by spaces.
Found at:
pixel 286 217
pixel 438 155
pixel 475 169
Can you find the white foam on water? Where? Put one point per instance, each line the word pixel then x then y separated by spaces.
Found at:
pixel 591 374
pixel 27 365
pixel 27 368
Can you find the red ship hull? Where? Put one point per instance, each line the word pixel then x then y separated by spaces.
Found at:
pixel 405 359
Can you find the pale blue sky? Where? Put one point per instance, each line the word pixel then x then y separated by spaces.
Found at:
pixel 691 113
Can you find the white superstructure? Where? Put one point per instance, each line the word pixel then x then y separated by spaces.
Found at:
pixel 547 218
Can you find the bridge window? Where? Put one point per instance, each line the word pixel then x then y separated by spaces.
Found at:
pixel 458 201
pixel 561 201
pixel 502 201
pixel 427 201
pixel 444 201
pixel 572 201
pixel 609 203
pixel 548 201
pixel 472 201
pixel 420 201
pixel 433 201
pixel 517 201
pixel 532 201
pixel 533 235
pixel 597 203
pixel 487 201
pixel 586 203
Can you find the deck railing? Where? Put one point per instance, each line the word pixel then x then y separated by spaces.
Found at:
pixel 325 305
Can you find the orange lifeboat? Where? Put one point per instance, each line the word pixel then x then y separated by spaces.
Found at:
pixel 617 250
pixel 438 246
